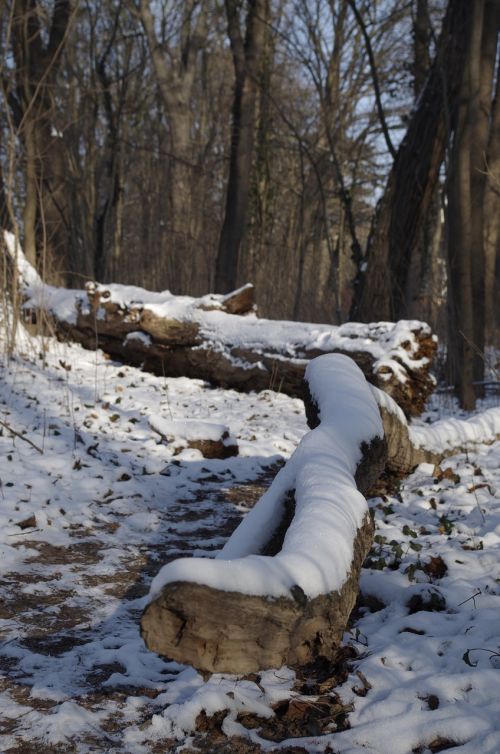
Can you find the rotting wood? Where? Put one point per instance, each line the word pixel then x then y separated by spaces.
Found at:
pixel 181 349
pixel 206 339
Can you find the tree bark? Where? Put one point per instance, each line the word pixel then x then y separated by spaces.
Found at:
pixel 483 60
pixel 461 315
pixel 233 631
pixel 246 59
pixel 176 76
pixel 418 294
pixel 46 220
pixel 492 194
pixel 466 218
pixel 381 282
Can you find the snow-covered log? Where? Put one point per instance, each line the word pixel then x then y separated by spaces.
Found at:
pixel 409 444
pixel 283 587
pixel 212 440
pixel 208 338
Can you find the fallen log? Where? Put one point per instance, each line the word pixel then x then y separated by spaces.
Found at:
pixel 410 444
pixel 283 587
pixel 207 338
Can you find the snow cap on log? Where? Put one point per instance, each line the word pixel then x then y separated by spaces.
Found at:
pixel 245 609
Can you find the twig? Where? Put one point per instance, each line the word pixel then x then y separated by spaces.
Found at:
pixel 22 533
pixel 21 437
pixel 471 598
pixel 479 353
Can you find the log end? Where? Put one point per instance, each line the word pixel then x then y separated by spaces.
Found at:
pixel 218 631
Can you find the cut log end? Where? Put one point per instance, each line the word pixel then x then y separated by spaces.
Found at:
pixel 247 633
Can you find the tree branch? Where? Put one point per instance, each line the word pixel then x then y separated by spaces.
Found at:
pixel 374 75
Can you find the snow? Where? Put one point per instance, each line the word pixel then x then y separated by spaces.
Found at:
pixel 452 433
pixel 112 504
pixel 27 272
pixel 140 336
pixel 317 551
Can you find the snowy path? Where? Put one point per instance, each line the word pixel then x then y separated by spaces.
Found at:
pixel 75 676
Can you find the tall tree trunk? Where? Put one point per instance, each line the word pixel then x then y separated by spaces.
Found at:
pixel 482 67
pixel 461 321
pixel 246 57
pixel 486 182
pixel 381 282
pixel 465 205
pixel 175 70
pixel 492 213
pixel 261 208
pixel 418 282
pixel 46 221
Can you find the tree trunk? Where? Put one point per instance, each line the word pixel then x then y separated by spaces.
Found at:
pixel 46 220
pixel 192 618
pixel 466 219
pixel 175 69
pixel 246 58
pixel 381 283
pixel 417 294
pixel 483 60
pixel 492 198
pixel 460 230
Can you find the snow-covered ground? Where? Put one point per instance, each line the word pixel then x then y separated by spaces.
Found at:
pixel 96 502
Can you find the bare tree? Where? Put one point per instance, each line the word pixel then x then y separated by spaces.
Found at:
pixel 466 194
pixel 37 50
pixel 381 283
pixel 175 58
pixel 247 50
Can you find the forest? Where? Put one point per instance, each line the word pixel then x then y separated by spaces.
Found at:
pixel 342 156
pixel 249 391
